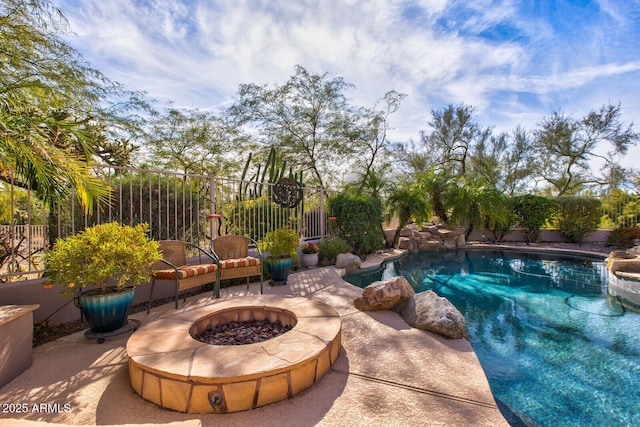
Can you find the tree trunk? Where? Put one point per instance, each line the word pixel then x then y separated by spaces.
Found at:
pixel 469 231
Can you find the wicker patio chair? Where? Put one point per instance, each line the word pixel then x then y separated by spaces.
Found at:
pixel 174 266
pixel 232 255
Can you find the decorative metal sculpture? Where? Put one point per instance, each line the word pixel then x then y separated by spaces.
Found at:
pixel 287 193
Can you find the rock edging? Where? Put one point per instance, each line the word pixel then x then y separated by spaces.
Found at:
pixel 430 238
pixel 425 311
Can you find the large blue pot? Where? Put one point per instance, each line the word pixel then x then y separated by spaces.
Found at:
pixel 106 312
pixel 279 268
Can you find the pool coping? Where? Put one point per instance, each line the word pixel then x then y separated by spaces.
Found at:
pixel 376 261
pixel 379 378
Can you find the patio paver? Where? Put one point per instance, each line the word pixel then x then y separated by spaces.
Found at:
pixel 387 374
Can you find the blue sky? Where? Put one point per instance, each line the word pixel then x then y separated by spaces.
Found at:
pixel 514 61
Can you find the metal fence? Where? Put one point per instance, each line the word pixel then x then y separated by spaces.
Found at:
pixel 623 211
pixel 185 207
pixel 176 206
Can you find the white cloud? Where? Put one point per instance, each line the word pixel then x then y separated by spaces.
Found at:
pixel 197 53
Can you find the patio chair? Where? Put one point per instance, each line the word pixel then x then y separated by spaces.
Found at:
pixel 174 266
pixel 232 254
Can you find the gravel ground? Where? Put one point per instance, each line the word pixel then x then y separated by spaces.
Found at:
pixel 44 332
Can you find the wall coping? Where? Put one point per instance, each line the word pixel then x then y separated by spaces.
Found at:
pixel 12 312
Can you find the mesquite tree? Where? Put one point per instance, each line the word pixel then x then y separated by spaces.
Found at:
pixel 567 146
pixel 308 119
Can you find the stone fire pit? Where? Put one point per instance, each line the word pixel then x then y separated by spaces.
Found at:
pixel 170 368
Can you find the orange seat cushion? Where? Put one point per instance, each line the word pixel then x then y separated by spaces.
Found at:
pixel 239 262
pixel 185 271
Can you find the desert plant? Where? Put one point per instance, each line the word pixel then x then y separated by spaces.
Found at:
pixel 438 187
pixel 577 217
pixel 532 213
pixel 281 243
pixel 623 237
pixel 255 217
pixel 407 202
pixel 359 220
pixel 331 247
pixel 252 187
pixel 499 222
pixel 101 255
pixel 473 204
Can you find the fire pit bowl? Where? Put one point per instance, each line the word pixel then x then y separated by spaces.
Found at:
pixel 170 368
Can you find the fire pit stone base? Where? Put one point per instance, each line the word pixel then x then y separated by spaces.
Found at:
pixel 170 368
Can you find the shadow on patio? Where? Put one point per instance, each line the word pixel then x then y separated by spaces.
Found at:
pixel 387 373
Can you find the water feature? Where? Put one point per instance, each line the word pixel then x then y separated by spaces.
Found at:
pixel 556 348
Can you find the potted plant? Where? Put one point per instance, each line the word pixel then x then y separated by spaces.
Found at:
pixel 310 254
pixel 282 246
pixel 110 259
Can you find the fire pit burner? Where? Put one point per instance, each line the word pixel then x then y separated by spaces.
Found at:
pixel 240 333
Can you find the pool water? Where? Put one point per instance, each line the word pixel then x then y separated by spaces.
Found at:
pixel 556 348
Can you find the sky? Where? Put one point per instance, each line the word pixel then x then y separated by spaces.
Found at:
pixel 514 61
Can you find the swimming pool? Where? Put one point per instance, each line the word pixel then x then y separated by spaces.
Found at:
pixel 556 348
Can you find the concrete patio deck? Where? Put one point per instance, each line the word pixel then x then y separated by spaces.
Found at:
pixel 387 374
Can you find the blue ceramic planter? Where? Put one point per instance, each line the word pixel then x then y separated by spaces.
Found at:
pixel 279 269
pixel 108 312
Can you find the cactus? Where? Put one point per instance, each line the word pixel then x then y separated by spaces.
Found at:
pixel 269 173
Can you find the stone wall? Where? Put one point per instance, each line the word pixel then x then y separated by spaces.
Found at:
pixel 430 238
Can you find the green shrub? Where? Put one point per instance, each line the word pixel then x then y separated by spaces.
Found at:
pixel 532 213
pixel 331 247
pixel 281 243
pixel 359 219
pixel 623 237
pixel 256 217
pixel 499 221
pixel 578 217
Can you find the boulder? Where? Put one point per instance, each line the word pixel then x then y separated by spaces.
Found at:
pixel 449 244
pixel 384 295
pixel 406 232
pixel 621 255
pixel 350 262
pixel 430 238
pixel 433 229
pixel 407 244
pixel 423 235
pixel 623 261
pixel 451 239
pixel 429 312
pixel 429 245
pixel 634 251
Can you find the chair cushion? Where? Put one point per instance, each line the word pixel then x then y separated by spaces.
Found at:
pixel 185 271
pixel 239 262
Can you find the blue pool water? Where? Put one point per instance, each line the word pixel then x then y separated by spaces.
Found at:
pixel 556 348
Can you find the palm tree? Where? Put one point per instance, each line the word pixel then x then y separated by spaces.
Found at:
pixel 374 181
pixel 438 186
pixel 407 201
pixel 500 218
pixel 473 203
pixel 53 106
pixel 30 159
